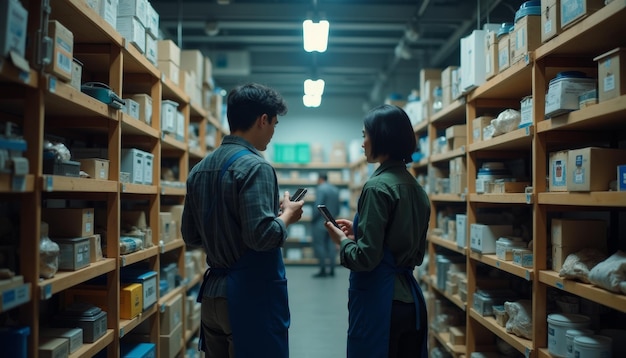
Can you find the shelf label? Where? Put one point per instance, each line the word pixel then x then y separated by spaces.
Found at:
pixel 18 183
pixel 121 332
pixel 46 292
pixel 123 261
pixel 527 275
pixel 48 183
pixel 528 352
pixel 559 285
pixel 529 198
pixel 123 187
pixel 498 264
pixel 52 84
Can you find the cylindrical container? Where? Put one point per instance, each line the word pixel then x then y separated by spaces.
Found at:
pixel 558 324
pixel 592 347
pixel 570 334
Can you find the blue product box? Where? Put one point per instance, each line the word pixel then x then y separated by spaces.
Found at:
pixel 148 281
pixel 621 177
pixel 139 350
pixel 14 341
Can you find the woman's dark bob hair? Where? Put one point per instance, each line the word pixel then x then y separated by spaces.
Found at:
pixel 390 132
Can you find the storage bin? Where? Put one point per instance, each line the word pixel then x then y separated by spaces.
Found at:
pixel 558 324
pixel 91 319
pixel 74 253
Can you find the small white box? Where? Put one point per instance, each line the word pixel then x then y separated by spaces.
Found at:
pixel 132 162
pixel 131 108
pixel 147 168
pixel 483 237
pixel 168 116
pixel 180 126
pixel 107 9
pixel 557 165
pixel 145 107
pixel 461 230
pixel 564 91
pixel 152 21
pixel 13 22
pixel 133 31
pixel 151 48
pixel 133 8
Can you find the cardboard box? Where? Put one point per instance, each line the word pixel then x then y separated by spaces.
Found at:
pixel 557 167
pixel 69 222
pixel 13 23
pixel 132 162
pixel 165 227
pixel 457 336
pixel 148 281
pixel 133 8
pixel 54 347
pixel 74 336
pixel 171 344
pixel 193 61
pixel 550 19
pixel 95 248
pixel 526 37
pixel 96 168
pixel 168 51
pixel 77 74
pixel 611 74
pixel 62 51
pixel 177 216
pixel 171 314
pixel 592 168
pixel 427 74
pixel 145 107
pixel 170 70
pixel 483 237
pixel 131 300
pixel 478 124
pixel 573 11
pixel 459 130
pixel 491 54
pixel 504 52
pixel 571 235
pixel 74 253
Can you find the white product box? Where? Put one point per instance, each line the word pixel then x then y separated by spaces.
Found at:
pixel 461 230
pixel 152 21
pixel 562 96
pixel 133 31
pixel 557 165
pixel 180 126
pixel 132 162
pixel 151 48
pixel 133 8
pixel 473 67
pixel 148 160
pixel 483 237
pixel 168 116
pixel 145 107
pixel 13 22
pixel 107 9
pixel 131 108
pixel 526 109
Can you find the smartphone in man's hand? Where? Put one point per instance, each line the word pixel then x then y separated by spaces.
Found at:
pixel 327 215
pixel 299 194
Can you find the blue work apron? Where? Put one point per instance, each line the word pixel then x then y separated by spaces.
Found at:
pixel 258 306
pixel 369 306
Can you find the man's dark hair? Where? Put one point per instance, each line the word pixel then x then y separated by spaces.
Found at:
pixel 247 102
pixel 323 176
pixel 390 132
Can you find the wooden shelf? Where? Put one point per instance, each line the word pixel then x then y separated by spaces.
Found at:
pixel 523 345
pixel 194 281
pixel 173 191
pixel 171 246
pixel 448 244
pixel 170 143
pixel 130 188
pixel 15 75
pixel 6 184
pixel 63 100
pixel 444 157
pixel 138 256
pixel 592 199
pixel 63 280
pixel 168 296
pixel 444 339
pixel 172 92
pixel 197 111
pixel 197 153
pixel 584 290
pixel 595 34
pixel 136 62
pixel 508 83
pixel 519 139
pixel 506 266
pixel 457 198
pixel 604 116
pixel 90 349
pixel 451 114
pixel 127 325
pixel 456 299
pixel 506 198
pixel 78 16
pixel 134 126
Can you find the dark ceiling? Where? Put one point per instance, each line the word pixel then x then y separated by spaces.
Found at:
pixel 365 56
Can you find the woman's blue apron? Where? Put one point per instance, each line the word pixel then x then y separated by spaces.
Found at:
pixel 258 304
pixel 369 307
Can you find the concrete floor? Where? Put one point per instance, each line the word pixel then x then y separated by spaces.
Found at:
pixel 319 313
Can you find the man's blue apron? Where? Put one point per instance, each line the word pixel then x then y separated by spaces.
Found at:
pixel 369 306
pixel 258 304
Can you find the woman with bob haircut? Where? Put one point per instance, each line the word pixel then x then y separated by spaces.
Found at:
pixel 384 243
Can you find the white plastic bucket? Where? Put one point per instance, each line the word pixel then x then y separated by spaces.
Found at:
pixel 570 334
pixel 558 324
pixel 592 347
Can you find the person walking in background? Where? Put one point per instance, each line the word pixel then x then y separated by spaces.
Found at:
pixel 233 210
pixel 384 243
pixel 325 249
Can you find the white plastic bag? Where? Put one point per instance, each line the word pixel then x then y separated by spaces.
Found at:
pixel 578 264
pixel 610 273
pixel 520 319
pixel 507 120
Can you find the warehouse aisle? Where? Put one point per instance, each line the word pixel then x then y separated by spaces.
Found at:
pixel 319 313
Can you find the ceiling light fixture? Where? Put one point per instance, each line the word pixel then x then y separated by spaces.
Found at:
pixel 315 35
pixel 315 88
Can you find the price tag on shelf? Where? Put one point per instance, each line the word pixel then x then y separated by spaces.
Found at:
pixel 18 183
pixel 498 264
pixel 123 187
pixel 48 183
pixel 121 332
pixel 559 285
pixel 528 352
pixel 46 292
pixel 52 84
pixel 123 261
pixel 527 275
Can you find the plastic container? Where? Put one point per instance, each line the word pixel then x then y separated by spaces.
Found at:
pixel 529 8
pixel 592 347
pixel 570 334
pixel 505 28
pixel 558 324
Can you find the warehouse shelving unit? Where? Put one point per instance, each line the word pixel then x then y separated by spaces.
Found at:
pixel 41 104
pixel 602 123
